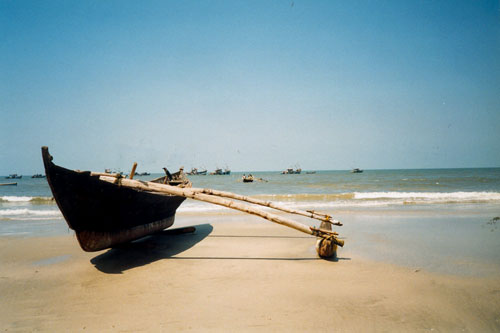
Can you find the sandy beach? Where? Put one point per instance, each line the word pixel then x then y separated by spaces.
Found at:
pixel 230 277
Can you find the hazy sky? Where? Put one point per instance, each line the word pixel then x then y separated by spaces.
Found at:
pixel 255 85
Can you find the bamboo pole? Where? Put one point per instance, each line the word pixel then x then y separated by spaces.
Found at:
pixel 312 214
pixel 132 173
pixel 189 193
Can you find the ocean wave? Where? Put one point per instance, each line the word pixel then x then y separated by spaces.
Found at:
pixel 306 197
pixel 363 199
pixel 24 212
pixel 430 197
pixel 199 207
pixel 297 201
pixel 26 199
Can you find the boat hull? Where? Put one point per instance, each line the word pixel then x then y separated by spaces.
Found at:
pixel 103 214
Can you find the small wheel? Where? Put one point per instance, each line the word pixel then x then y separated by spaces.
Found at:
pixel 326 248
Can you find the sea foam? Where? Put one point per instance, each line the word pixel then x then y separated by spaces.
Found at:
pixel 23 212
pixel 25 199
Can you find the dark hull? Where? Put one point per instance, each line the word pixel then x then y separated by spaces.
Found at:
pixel 104 214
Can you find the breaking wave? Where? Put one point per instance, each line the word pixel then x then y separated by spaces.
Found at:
pixel 431 197
pixel 24 212
pixel 358 200
pixel 383 197
pixel 298 201
pixel 26 199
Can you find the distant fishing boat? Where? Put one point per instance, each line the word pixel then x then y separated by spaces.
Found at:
pixel 310 172
pixel 291 171
pixel 219 172
pixel 142 174
pixel 216 172
pixel 14 176
pixel 356 170
pixel 196 172
pixel 38 175
pixel 114 172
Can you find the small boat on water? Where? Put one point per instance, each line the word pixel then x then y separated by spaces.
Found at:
pixel 8 184
pixel 105 214
pixel 291 171
pixel 14 176
pixel 219 172
pixel 38 175
pixel 114 172
pixel 247 178
pixel 196 172
pixel 356 170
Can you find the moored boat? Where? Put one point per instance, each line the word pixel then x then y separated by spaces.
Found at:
pixel 38 175
pixel 291 171
pixel 219 172
pixel 14 176
pixel 196 172
pixel 142 174
pixel 104 214
pixel 356 170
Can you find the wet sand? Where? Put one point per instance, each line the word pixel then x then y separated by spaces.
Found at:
pixel 230 277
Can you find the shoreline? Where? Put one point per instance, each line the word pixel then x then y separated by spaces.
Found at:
pixel 450 241
pixel 243 276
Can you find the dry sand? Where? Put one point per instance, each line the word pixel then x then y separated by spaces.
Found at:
pixel 229 278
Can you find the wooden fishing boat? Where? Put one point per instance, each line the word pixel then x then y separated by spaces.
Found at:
pixel 106 210
pixel 8 184
pixel 247 178
pixel 175 179
pixel 104 214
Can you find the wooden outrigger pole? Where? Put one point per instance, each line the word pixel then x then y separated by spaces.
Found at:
pixel 327 239
pixel 311 214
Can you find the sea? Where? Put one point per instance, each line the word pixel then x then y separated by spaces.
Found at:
pixel 445 220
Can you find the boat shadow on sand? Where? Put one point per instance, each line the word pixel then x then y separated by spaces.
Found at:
pixel 162 245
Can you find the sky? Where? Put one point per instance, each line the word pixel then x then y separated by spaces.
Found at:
pixel 252 85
